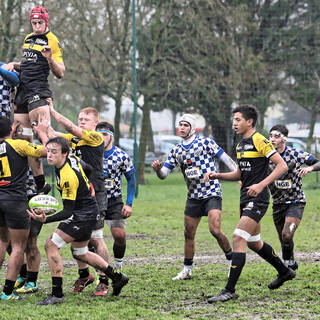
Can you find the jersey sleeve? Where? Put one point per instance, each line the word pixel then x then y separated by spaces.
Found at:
pixel 213 148
pixel 264 146
pixel 93 138
pixel 54 44
pixel 171 161
pixel 70 186
pixel 67 136
pixel 25 148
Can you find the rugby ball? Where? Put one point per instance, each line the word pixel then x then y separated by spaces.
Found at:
pixel 44 203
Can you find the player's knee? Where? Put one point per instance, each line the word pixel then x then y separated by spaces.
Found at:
pixel 215 231
pixel 79 253
pixel 287 236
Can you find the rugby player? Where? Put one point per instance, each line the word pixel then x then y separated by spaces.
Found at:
pixel 8 81
pixel 116 163
pixel 89 146
pixel 196 156
pixel 288 197
pixel 14 221
pixel 41 54
pixel 79 215
pixel 253 154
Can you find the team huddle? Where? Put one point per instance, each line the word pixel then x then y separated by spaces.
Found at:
pixel 89 169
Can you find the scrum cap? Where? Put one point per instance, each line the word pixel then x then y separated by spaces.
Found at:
pixel 39 13
pixel 187 117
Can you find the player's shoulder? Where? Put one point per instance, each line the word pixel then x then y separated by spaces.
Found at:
pixel 29 35
pixel 51 36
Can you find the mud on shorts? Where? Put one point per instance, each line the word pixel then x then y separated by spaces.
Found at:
pixel 253 210
pixel 102 201
pixel 281 211
pixel 24 103
pixel 114 217
pixel 78 230
pixel 197 208
pixel 13 214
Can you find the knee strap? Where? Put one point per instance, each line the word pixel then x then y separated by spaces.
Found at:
pixel 242 234
pixel 79 251
pixel 255 238
pixel 57 240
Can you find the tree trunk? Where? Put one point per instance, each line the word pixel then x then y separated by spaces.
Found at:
pixel 313 119
pixel 145 126
pixel 117 121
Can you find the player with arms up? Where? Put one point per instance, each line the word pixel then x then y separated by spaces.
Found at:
pixel 196 156
pixel 253 154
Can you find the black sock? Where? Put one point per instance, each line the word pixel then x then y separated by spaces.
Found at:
pixel 8 286
pixel 57 287
pixel 83 273
pixel 40 181
pixel 103 279
pixel 287 250
pixel 238 262
pixel 228 255
pixel 268 254
pixel 23 271
pixel 118 251
pixel 188 262
pixel 112 274
pixel 32 276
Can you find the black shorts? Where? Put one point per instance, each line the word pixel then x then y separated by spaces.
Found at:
pixel 114 211
pixel 24 103
pixel 78 230
pixel 253 210
pixel 13 214
pixel 102 201
pixel 197 208
pixel 281 211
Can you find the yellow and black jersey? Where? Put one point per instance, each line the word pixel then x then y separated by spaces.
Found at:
pixel 34 67
pixel 90 149
pixel 253 159
pixel 74 185
pixel 14 167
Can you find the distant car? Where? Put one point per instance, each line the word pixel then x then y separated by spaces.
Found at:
pixel 127 145
pixel 296 143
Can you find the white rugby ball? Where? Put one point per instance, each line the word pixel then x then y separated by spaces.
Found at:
pixel 44 203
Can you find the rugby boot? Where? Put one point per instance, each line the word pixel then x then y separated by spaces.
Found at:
pixel 20 282
pixel 183 275
pixel 81 283
pixel 11 296
pixel 29 287
pixel 281 279
pixel 101 290
pixel 223 296
pixel 118 283
pixel 293 266
pixel 50 300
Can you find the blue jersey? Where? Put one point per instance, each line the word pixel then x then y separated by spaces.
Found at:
pixel 116 162
pixel 195 160
pixel 288 188
pixel 6 98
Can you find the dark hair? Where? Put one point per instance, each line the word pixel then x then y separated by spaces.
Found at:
pixel 5 127
pixel 248 111
pixel 281 128
pixel 105 125
pixel 65 146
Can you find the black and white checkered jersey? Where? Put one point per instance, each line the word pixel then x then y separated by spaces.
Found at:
pixel 195 160
pixel 288 188
pixel 30 184
pixel 6 98
pixel 116 162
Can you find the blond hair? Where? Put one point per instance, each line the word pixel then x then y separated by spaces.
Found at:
pixel 92 110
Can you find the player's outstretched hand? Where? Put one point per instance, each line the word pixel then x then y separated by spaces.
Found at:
pixel 156 165
pixel 302 172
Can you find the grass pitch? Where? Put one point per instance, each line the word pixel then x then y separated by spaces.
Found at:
pixel 155 254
